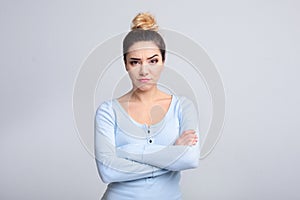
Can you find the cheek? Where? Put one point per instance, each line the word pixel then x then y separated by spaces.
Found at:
pixel 133 72
pixel 156 70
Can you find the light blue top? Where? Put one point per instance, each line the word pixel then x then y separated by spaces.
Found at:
pixel 140 161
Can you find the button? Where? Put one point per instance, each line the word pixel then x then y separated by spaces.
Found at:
pixel 150 141
pixel 148 179
pixel 148 131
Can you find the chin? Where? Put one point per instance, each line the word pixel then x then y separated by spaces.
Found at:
pixel 145 87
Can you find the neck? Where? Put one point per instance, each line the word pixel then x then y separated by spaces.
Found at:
pixel 144 96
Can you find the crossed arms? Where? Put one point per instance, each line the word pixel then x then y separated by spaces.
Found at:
pixel 135 161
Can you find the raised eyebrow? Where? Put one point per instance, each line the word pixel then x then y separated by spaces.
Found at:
pixel 152 56
pixel 147 58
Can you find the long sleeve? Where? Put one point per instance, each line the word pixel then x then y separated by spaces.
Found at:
pixel 170 157
pixel 112 168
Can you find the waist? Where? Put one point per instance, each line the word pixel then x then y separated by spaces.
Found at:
pixel 165 186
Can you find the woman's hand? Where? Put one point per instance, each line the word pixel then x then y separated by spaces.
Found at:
pixel 188 137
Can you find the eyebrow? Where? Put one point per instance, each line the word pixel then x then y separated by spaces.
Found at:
pixel 147 58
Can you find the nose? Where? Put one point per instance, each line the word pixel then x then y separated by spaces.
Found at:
pixel 143 70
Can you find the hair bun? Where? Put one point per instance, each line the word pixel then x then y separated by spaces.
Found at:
pixel 144 21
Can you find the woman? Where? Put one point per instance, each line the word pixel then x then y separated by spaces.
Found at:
pixel 144 138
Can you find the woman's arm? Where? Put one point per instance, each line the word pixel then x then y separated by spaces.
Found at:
pixel 171 157
pixel 112 168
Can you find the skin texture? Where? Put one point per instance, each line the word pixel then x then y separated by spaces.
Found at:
pixel 145 103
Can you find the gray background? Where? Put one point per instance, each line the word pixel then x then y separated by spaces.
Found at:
pixel 254 45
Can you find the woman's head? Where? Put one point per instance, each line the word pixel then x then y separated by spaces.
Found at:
pixel 143 28
pixel 144 52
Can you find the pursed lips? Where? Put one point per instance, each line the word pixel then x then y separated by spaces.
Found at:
pixel 143 80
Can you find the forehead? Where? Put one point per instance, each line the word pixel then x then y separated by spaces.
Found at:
pixel 144 48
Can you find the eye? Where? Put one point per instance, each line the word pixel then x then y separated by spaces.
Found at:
pixel 153 61
pixel 134 62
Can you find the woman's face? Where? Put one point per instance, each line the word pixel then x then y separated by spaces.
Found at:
pixel 144 65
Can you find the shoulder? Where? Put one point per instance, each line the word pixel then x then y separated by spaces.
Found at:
pixel 187 113
pixel 184 102
pixel 106 107
pixel 105 104
pixel 186 107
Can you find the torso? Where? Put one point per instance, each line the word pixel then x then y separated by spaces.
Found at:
pixel 163 133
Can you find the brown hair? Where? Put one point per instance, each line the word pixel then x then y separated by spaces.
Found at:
pixel 144 28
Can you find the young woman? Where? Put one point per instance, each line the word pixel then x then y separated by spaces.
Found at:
pixel 144 138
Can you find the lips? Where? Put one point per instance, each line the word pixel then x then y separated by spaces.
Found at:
pixel 144 80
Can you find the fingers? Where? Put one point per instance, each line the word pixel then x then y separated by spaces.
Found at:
pixel 188 132
pixel 188 137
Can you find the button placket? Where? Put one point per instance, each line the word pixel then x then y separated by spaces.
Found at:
pixel 149 139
